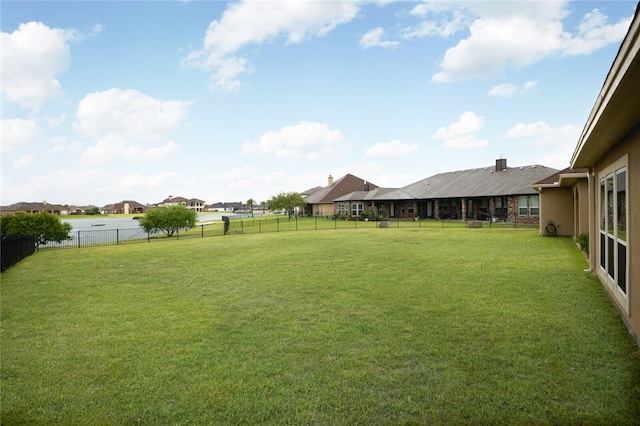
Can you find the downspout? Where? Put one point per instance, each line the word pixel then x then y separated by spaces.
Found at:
pixel 592 220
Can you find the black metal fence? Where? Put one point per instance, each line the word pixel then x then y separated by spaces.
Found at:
pixel 294 223
pixel 14 249
pixel 242 224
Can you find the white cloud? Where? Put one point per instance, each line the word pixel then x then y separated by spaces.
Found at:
pixel 128 114
pixel 135 182
pixel 465 142
pixel 304 140
pixel 560 140
pixel 515 35
pixel 467 123
pixel 507 90
pixel 459 135
pixel 17 133
pixel 594 32
pixel 161 153
pixel 443 23
pixel 393 149
pixel 540 133
pixel 503 90
pixel 528 86
pixel 23 161
pixel 373 38
pixel 31 58
pixel 112 147
pixel 256 22
pixel 122 119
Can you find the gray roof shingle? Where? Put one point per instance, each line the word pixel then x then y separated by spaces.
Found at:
pixel 479 182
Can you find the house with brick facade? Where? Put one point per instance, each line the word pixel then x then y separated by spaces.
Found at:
pixel 495 192
pixel 320 203
pixel 35 207
pixel 190 203
pixel 124 207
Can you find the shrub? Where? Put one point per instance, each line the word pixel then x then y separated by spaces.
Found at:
pixel 583 241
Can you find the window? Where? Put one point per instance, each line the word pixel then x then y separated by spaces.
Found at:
pixel 356 208
pixel 613 213
pixel 533 205
pixel 522 205
pixel 528 205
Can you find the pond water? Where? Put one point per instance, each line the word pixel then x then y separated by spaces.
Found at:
pixel 103 223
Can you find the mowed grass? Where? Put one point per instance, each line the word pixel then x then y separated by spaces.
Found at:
pixel 367 326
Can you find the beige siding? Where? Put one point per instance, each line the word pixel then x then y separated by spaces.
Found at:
pixel 556 206
pixel 629 147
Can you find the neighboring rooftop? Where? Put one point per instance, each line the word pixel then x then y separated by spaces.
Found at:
pixel 479 182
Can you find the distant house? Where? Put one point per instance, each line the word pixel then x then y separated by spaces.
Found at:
pixel 320 203
pixel 33 207
pixel 609 148
pixel 229 207
pixel 124 207
pixel 494 192
pixel 190 203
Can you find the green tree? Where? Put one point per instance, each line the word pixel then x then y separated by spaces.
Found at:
pixel 251 202
pixel 44 226
pixel 168 219
pixel 288 202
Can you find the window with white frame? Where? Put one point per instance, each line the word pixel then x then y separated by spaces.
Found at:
pixel 614 239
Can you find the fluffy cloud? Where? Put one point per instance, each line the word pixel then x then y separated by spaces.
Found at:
pixel 17 133
pixel 304 140
pixel 255 22
pixel 459 135
pixel 512 35
pixel 562 139
pixel 112 148
pixel 393 149
pixel 23 161
pixel 503 90
pixel 373 38
pixel 443 21
pixel 508 89
pixel 122 119
pixel 128 114
pixel 31 58
pixel 540 133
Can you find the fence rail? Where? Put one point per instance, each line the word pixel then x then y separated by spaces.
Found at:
pixel 14 249
pixel 245 224
pixel 282 224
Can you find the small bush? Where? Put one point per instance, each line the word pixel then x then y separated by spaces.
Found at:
pixel 583 241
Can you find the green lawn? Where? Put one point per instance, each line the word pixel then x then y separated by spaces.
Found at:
pixel 358 326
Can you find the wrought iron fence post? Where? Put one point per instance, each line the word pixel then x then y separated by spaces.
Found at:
pixel 78 239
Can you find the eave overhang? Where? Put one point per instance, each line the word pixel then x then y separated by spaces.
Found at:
pixel 615 112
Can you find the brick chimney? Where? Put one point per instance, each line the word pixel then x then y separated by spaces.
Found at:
pixel 330 180
pixel 501 164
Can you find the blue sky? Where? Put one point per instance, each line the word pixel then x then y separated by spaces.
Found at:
pixel 139 100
